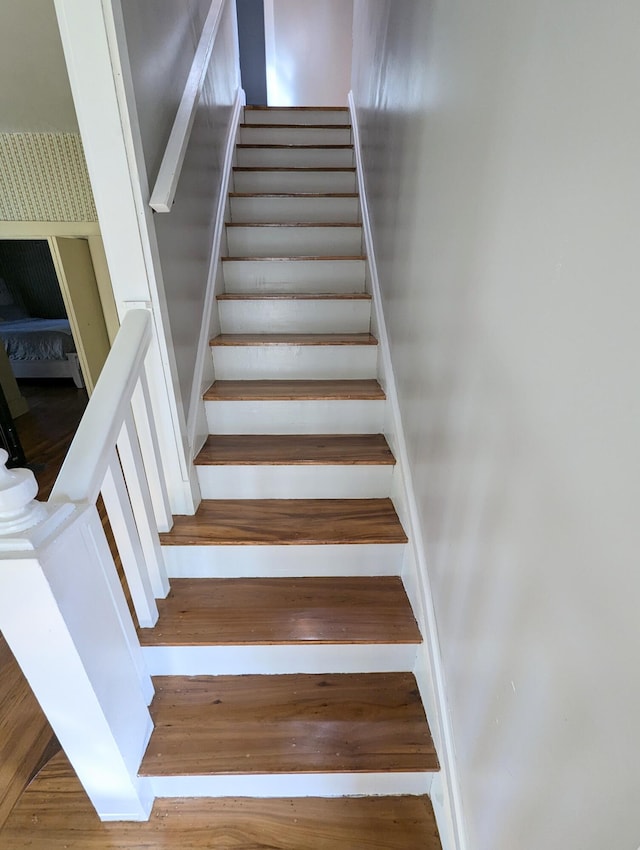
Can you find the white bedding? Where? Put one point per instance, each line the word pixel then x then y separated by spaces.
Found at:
pixel 37 339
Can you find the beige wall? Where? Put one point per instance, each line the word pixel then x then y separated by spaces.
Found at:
pixel 501 149
pixel 34 90
pixel 308 51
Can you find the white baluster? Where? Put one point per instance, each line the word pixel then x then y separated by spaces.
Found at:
pixel 123 525
pixel 141 503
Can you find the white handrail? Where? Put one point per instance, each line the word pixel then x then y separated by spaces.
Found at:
pixel 84 468
pixel 167 180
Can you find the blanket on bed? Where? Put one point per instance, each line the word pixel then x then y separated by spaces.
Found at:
pixel 37 339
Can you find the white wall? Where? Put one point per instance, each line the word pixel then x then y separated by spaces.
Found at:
pixel 35 95
pixel 503 171
pixel 308 51
pixel 161 38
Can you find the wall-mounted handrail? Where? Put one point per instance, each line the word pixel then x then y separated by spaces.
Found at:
pixel 167 180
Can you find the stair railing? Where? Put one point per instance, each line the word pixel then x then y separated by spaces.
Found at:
pixel 166 183
pixel 63 610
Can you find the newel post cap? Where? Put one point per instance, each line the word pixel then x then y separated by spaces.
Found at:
pixel 19 509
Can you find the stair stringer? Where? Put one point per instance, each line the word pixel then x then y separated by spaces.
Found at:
pixel 445 787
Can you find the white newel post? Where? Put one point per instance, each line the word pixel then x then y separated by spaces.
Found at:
pixel 64 615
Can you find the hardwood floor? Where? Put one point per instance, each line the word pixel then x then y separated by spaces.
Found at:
pixel 368 389
pixel 45 432
pixel 263 522
pixel 255 611
pixel 55 814
pixel 297 723
pixel 301 449
pixel 294 339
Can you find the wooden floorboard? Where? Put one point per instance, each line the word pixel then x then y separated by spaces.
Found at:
pixel 364 389
pixel 257 611
pixel 55 814
pixel 259 295
pixel 294 339
pixel 287 522
pixel 297 449
pixel 366 722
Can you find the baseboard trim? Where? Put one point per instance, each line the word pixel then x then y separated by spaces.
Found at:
pixel 196 415
pixel 445 793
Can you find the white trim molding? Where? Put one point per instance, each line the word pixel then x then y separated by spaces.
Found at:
pixel 445 792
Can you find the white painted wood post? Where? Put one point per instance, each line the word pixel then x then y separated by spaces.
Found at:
pixel 141 503
pixel 64 615
pixel 116 501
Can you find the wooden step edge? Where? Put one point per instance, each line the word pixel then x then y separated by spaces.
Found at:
pixel 288 522
pixel 295 224
pixel 244 145
pixel 338 390
pixel 325 169
pixel 341 723
pixel 295 450
pixel 253 108
pixel 259 295
pixel 315 258
pixel 297 126
pixel 292 339
pixel 293 195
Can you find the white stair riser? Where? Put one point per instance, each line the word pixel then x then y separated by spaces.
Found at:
pixel 257 135
pixel 304 315
pixel 274 209
pixel 294 275
pixel 291 241
pixel 304 481
pixel 294 181
pixel 292 785
pixel 294 362
pixel 273 660
pixel 295 156
pixel 349 559
pixel 321 416
pixel 296 116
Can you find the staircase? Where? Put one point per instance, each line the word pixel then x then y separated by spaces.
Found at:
pixel 283 657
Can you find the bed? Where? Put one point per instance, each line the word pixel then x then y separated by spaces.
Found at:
pixel 40 348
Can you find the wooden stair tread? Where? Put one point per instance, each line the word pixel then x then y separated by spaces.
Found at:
pixel 357 257
pixel 301 723
pixel 284 522
pixel 303 195
pixel 260 295
pixel 280 224
pixel 294 339
pixel 55 814
pixel 297 449
pixel 294 168
pixel 367 389
pixel 297 126
pixel 258 108
pixel 258 611
pixel 293 146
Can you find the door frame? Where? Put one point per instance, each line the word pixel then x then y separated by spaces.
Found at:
pixel 46 231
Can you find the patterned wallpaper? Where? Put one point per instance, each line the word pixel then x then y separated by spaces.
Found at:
pixel 43 177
